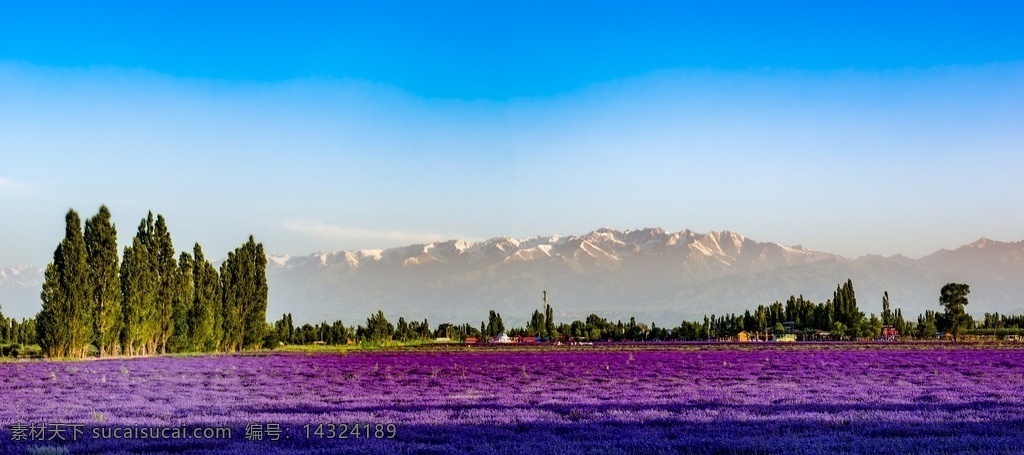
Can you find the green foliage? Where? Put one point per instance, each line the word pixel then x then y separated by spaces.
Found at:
pixel 5 328
pixel 537 325
pixel 104 281
pixel 162 253
pixel 927 325
pixel 456 332
pixel 410 331
pixel 495 326
pixel 338 333
pixel 180 339
pixel 285 330
pixel 205 331
pixel 635 331
pixel 844 301
pixel 873 327
pixel 149 303
pixel 838 331
pixel 65 322
pixel 953 297
pixel 138 290
pixel 549 322
pixel 402 331
pixel 902 326
pixel 14 335
pixel 244 310
pixel 19 333
pixel 887 316
pixel 779 329
pixel 1002 321
pixel 377 328
pixel 271 338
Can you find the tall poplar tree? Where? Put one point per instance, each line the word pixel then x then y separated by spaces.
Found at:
pixel 549 321
pixel 184 296
pixel 232 295
pixel 64 325
pixel 204 317
pixel 162 253
pixel 104 282
pixel 244 281
pixel 5 334
pixel 887 316
pixel 138 291
pixel 845 303
pixel 256 314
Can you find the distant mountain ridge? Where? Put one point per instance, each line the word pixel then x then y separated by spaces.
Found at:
pixel 650 273
pixel 601 247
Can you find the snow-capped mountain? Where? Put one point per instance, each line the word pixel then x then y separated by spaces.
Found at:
pixel 653 274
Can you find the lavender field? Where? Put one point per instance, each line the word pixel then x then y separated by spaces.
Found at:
pixel 697 399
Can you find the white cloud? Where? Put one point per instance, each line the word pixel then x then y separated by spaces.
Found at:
pixel 363 235
pixel 10 187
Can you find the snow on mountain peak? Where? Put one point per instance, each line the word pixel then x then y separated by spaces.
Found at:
pixel 605 246
pixel 279 259
pixel 983 243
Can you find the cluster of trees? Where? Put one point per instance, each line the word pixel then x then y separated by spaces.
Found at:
pixel 284 332
pixel 953 320
pixel 151 301
pixel 542 324
pixel 14 333
pixel 376 330
pixel 1002 321
pixel 840 316
pixel 494 325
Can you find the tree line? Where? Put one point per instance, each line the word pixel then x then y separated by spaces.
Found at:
pixel 838 318
pixel 148 300
pixel 15 334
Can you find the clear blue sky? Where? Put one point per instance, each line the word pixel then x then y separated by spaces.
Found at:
pixel 852 128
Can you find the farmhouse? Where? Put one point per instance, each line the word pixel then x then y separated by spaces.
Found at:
pixel 743 337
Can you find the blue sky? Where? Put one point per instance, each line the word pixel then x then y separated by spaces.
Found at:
pixel 856 128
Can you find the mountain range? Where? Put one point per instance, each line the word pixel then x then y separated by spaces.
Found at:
pixel 652 274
